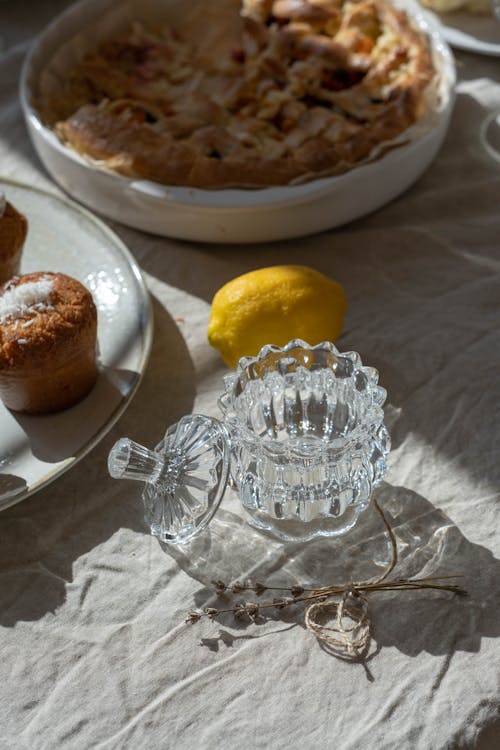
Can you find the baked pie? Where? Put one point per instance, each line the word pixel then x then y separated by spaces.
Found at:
pixel 310 88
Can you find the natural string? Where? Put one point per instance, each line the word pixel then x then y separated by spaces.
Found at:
pixel 351 638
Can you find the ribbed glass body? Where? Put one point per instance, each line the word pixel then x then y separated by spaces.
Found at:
pixel 307 436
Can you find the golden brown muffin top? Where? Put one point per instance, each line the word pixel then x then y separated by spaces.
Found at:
pixel 39 313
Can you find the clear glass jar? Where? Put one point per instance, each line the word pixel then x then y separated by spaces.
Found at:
pixel 302 436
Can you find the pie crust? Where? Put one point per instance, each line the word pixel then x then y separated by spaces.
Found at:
pixel 311 88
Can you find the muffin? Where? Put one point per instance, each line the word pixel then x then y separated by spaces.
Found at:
pixel 48 334
pixel 13 230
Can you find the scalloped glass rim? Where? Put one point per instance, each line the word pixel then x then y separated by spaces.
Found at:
pixel 372 418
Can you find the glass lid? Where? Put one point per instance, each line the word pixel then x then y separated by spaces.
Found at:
pixel 185 475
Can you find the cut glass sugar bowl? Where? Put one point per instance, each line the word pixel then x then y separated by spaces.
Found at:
pixel 301 438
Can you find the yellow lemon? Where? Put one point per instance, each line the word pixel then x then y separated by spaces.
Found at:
pixel 273 306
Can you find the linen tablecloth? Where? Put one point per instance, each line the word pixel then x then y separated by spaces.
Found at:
pixel 95 652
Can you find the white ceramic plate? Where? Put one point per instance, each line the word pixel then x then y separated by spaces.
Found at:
pixel 222 216
pixel 63 237
pixel 479 34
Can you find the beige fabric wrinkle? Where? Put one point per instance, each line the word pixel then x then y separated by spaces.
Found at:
pixel 168 695
pixel 95 651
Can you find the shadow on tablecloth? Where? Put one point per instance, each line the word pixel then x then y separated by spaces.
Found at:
pixel 43 537
pixel 429 544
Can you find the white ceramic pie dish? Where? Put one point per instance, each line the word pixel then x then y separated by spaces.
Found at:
pixel 228 215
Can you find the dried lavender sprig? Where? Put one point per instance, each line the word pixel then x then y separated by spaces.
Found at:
pixel 253 608
pixel 296 590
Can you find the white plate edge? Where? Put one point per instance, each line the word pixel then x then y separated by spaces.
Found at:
pixel 147 340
